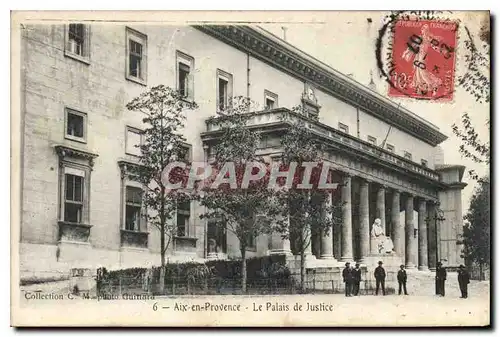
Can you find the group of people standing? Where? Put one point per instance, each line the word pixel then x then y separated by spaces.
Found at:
pixel 352 279
pixel 463 280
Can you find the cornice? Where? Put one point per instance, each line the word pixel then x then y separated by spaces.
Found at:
pixel 278 55
pixel 64 151
pixel 457 185
pixel 341 143
pixel 125 166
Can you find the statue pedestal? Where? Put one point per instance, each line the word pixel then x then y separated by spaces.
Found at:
pixel 381 245
pixel 390 260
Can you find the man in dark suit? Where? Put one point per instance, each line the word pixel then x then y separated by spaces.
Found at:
pixel 379 278
pixel 463 280
pixel 357 279
pixel 347 275
pixel 402 279
pixel 440 279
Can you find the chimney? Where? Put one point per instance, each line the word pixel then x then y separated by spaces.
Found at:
pixel 372 85
pixel 439 156
pixel 284 32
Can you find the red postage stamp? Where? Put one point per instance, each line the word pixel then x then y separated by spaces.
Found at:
pixel 423 59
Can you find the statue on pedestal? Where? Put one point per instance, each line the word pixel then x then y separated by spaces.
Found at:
pixel 379 242
pixel 212 249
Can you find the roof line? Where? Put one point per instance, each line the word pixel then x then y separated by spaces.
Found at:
pixel 327 67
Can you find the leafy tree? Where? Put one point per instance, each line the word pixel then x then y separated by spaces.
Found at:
pixel 307 212
pixel 247 212
pixel 476 80
pixel 477 231
pixel 164 116
pixel 476 234
pixel 472 146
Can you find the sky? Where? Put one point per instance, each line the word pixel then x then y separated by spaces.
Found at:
pixel 346 42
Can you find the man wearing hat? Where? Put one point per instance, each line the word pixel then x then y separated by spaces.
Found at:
pixel 357 279
pixel 380 278
pixel 402 279
pixel 463 280
pixel 440 279
pixel 347 275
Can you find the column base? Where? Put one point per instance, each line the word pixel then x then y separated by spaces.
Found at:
pixel 309 257
pixel 423 268
pixel 327 257
pixel 346 259
pixel 326 263
pixel 410 265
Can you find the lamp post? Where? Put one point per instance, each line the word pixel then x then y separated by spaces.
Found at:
pixel 434 219
pixel 438 218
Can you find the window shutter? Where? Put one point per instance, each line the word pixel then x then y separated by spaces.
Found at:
pixel 190 88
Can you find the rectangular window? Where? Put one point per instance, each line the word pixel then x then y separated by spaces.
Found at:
pixel 185 79
pixel 133 205
pixel 75 125
pixel 78 41
pixel 185 153
pixel 223 93
pixel 224 89
pixel 136 56
pixel 133 141
pixel 270 100
pixel 372 140
pixel 407 155
pixel 251 241
pixel 344 128
pixel 269 103
pixel 216 237
pixel 424 162
pixel 135 68
pixel 390 147
pixel 183 215
pixel 184 72
pixel 74 177
pixel 73 198
pixel 76 38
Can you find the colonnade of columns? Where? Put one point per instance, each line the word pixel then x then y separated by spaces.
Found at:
pixel 358 213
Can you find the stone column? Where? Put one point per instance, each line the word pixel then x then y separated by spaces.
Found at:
pixel 431 235
pixel 364 219
pixel 327 238
pixel 422 236
pixel 398 228
pixel 346 219
pixel 409 230
pixel 337 231
pixel 380 213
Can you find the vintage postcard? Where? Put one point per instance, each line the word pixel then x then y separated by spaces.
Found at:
pixel 250 169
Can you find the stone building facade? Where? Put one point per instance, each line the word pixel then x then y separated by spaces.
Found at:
pixel 79 209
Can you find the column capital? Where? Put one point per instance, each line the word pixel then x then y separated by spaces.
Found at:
pixel 409 195
pixel 363 180
pixel 432 202
pixel 382 186
pixel 422 201
pixel 396 191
